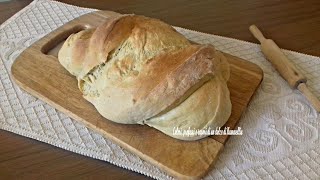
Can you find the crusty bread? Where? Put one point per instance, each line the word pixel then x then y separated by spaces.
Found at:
pixel 139 70
pixel 73 51
pixel 207 108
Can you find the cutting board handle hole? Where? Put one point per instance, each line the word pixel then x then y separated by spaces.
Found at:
pixel 53 46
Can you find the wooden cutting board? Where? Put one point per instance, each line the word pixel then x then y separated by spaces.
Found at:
pixel 38 71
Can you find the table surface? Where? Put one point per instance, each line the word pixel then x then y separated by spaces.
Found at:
pixel 293 25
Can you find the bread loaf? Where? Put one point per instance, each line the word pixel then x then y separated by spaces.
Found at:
pixel 139 70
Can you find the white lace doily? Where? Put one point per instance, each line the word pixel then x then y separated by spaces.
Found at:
pixel 281 130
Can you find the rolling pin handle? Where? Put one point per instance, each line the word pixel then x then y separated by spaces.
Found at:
pixel 303 88
pixel 257 33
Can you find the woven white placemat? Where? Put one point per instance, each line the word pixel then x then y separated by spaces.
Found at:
pixel 281 130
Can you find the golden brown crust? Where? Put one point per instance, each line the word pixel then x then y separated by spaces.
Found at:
pixel 134 69
pixel 105 39
pixel 163 82
pixel 205 109
pixel 73 52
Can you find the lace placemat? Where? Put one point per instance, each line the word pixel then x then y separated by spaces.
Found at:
pixel 281 130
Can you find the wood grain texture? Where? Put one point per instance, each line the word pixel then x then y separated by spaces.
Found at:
pixel 9 8
pixel 41 74
pixel 26 158
pixel 293 25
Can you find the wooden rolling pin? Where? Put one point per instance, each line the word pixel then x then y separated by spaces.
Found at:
pixel 286 68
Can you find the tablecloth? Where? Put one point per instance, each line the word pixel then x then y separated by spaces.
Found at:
pixel 280 128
